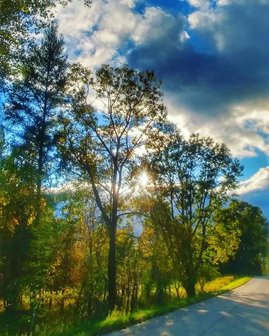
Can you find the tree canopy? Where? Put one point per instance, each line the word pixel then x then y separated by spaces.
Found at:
pixel 253 228
pixel 193 178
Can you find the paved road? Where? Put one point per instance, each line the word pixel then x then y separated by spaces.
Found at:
pixel 242 312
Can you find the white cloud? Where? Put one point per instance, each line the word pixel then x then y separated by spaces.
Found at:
pixel 232 24
pixel 154 24
pixel 184 36
pixel 224 2
pixel 94 35
pixel 241 139
pixel 257 119
pixel 75 19
pixel 199 3
pixel 244 129
pixel 210 22
pixel 259 181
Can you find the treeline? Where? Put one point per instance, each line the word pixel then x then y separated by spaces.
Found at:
pixel 143 214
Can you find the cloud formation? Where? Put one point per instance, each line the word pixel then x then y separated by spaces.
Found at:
pixel 255 190
pixel 215 74
pixel 213 61
pixel 212 56
pixel 259 181
pixel 95 35
pixel 224 62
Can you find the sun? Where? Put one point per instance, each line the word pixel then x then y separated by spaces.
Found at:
pixel 143 179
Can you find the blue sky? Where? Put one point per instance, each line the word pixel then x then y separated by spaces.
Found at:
pixel 212 57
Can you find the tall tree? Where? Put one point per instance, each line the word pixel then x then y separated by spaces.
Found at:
pixel 193 180
pixel 34 98
pixel 104 141
pixel 253 231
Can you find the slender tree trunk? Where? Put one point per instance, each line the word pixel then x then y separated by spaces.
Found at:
pixel 190 287
pixel 39 183
pixel 112 290
pixel 177 291
pixel 190 272
pixel 41 154
pixel 105 289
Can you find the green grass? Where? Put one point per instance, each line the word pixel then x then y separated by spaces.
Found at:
pixel 219 286
pixel 118 320
pixel 235 283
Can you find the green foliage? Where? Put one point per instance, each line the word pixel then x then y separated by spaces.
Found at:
pixel 253 232
pixel 194 177
pixel 30 110
pixel 206 273
pixel 17 212
pixel 223 241
pixel 158 271
pixel 102 143
pixel 47 233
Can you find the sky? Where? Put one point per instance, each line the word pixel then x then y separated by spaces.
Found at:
pixel 212 57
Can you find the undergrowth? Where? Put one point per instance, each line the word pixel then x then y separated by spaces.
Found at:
pixel 118 320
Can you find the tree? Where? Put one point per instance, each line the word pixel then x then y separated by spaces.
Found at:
pixel 103 142
pixel 253 233
pixel 160 272
pixel 31 109
pixel 17 212
pixel 194 177
pixel 33 101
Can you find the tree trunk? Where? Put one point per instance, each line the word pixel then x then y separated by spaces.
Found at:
pixel 112 290
pixel 190 272
pixel 189 286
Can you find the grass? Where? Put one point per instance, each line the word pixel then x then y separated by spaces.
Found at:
pixel 118 320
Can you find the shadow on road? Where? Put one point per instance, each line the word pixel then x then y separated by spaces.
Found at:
pixel 243 312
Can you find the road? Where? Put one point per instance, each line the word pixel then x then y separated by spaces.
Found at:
pixel 242 312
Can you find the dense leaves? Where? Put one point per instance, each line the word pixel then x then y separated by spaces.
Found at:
pixel 17 213
pixel 253 231
pixel 193 179
pixel 102 142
